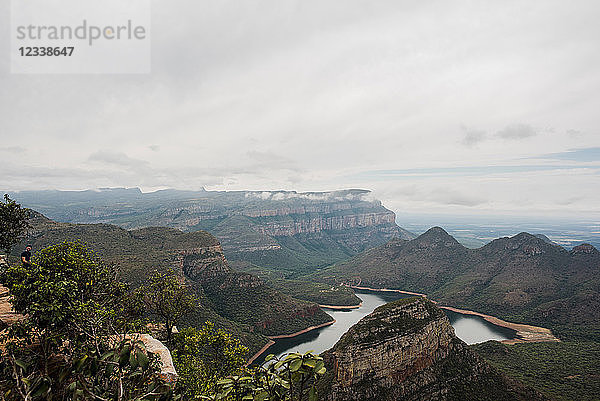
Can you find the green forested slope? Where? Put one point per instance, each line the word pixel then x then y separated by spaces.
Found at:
pixel 563 371
pixel 239 302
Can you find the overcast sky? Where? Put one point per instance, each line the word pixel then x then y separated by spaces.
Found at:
pixel 437 106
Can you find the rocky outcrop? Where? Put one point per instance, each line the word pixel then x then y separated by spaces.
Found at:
pixel 407 350
pixel 153 346
pixel 203 263
pixel 586 249
pixel 167 368
pixel 303 224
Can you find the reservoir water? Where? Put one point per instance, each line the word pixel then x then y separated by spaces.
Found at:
pixel 471 329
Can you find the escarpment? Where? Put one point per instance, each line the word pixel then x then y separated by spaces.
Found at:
pixel 407 350
pixel 273 229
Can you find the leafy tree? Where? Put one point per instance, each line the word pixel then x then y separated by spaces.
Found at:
pixel 166 299
pixel 71 345
pixel 13 223
pixel 67 283
pixel 292 378
pixel 203 356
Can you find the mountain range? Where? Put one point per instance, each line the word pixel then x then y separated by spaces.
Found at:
pixel 524 278
pixel 287 231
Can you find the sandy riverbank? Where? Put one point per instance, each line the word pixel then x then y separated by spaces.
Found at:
pixel 341 307
pixel 260 352
pixel 388 290
pixel 525 332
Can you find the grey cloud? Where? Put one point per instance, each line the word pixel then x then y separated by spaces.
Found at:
pixel 472 136
pixel 314 196
pixel 440 195
pixel 451 197
pixel 517 131
pixel 13 149
pixel 299 94
pixel 569 201
pixel 259 161
pixel 120 159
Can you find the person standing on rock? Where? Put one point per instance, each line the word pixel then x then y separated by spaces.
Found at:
pixel 26 256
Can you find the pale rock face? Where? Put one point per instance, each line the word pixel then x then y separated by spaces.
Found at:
pixel 207 263
pixel 397 356
pixel 202 263
pixel 323 223
pixel 154 346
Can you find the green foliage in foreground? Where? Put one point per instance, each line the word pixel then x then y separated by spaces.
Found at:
pixel 292 378
pixel 13 223
pixel 562 371
pixel 74 345
pixel 71 345
pixel 203 356
pixel 165 298
pixel 65 286
pixel 211 366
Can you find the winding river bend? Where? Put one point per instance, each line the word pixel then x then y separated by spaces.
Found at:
pixel 471 329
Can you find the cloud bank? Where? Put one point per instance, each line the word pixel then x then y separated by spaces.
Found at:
pixel 318 95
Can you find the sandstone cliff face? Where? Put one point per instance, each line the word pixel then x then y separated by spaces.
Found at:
pixel 203 263
pixel 278 213
pixel 244 297
pixel 284 230
pixel 301 224
pixel 407 350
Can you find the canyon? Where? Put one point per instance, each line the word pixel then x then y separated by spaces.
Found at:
pixel 292 231
pixel 407 350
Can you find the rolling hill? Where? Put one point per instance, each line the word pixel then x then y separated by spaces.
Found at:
pixel 239 302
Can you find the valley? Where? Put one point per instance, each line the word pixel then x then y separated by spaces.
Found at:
pixel 286 271
pixel 522 279
pixel 468 328
pixel 286 230
pixel 238 302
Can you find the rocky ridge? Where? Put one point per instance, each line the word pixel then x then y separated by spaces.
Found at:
pixel 407 350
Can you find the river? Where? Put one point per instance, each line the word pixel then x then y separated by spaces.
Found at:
pixel 470 329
